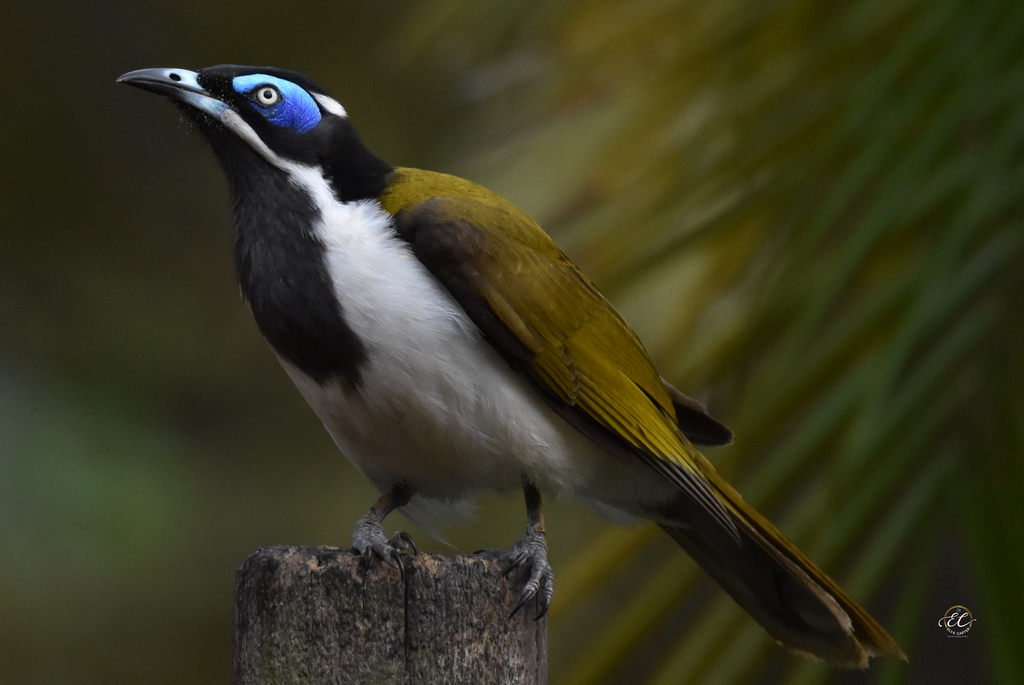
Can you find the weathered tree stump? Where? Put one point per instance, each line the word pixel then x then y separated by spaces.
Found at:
pixel 323 615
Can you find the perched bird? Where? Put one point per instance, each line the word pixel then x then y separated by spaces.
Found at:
pixel 450 347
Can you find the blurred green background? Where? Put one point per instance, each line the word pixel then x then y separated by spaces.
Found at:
pixel 811 212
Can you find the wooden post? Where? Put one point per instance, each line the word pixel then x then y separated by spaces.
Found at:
pixel 322 615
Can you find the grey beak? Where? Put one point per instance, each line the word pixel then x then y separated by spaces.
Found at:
pixel 180 85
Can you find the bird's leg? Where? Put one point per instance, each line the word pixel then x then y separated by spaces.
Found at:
pixel 368 537
pixel 531 552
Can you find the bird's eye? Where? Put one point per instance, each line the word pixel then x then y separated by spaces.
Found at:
pixel 267 96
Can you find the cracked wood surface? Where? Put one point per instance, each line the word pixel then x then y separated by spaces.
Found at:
pixel 322 615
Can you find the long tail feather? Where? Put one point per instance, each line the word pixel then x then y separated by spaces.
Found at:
pixel 800 607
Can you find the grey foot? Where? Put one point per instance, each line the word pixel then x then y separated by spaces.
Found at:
pixel 531 552
pixel 368 540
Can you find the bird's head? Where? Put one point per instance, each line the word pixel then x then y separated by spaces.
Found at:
pixel 257 115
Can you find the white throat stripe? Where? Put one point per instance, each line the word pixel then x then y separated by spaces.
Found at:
pixel 236 123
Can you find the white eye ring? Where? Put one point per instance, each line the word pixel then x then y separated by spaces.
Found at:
pixel 267 96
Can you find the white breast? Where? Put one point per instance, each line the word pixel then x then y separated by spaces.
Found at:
pixel 437 408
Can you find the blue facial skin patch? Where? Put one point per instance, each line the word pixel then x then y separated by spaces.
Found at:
pixel 297 109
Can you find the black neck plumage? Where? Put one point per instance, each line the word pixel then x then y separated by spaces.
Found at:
pixel 283 273
pixel 353 171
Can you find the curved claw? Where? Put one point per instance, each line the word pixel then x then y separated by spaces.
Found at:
pixel 368 540
pixel 531 551
pixel 402 540
pixel 526 597
pixel 395 557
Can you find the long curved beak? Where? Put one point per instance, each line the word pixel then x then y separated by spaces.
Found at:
pixel 179 85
